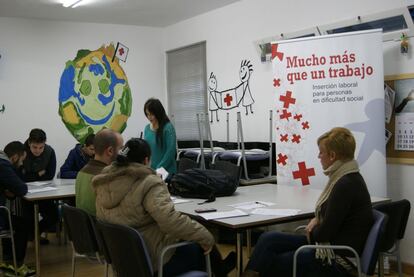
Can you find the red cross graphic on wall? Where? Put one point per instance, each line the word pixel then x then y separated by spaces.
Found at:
pixel 228 99
pixel 276 82
pixel 305 125
pixel 275 53
pixel 284 137
pixel 287 99
pixel 303 173
pixel 285 114
pixel 121 51
pixel 297 117
pixel 296 138
pixel 281 159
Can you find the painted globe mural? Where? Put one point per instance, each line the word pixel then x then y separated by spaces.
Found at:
pixel 94 93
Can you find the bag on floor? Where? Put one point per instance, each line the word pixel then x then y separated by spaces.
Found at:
pixel 203 183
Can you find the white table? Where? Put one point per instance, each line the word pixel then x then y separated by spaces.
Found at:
pixel 284 197
pixel 65 188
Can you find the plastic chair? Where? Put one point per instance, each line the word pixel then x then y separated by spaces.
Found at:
pixel 398 213
pixel 8 233
pixel 81 234
pixel 136 261
pixel 367 261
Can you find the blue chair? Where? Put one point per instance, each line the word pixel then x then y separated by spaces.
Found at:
pixel 398 213
pixel 128 252
pixel 367 261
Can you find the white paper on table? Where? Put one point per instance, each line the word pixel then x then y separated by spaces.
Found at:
pixel 176 200
pixel 280 212
pixel 251 205
pixel 161 171
pixel 217 215
pixel 43 189
pixel 38 184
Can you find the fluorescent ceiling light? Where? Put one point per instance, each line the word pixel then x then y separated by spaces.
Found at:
pixel 71 3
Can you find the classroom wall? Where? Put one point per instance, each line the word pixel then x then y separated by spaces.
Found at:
pixel 230 33
pixel 34 53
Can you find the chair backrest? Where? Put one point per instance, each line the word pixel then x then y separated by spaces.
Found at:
pixel 127 250
pixel 80 230
pixel 398 213
pixel 103 250
pixel 186 163
pixel 371 250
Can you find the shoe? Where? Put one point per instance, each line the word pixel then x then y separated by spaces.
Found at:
pixel 43 241
pixel 229 263
pixel 8 269
pixel 25 271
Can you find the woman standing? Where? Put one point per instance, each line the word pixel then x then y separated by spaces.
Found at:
pixel 160 135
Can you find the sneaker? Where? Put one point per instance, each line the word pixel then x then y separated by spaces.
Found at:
pixel 7 268
pixel 25 271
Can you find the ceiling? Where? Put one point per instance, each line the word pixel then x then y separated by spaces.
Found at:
pixel 154 13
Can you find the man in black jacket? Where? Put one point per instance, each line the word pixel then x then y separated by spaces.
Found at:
pixel 12 186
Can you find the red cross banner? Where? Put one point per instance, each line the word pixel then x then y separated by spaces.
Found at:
pixel 121 52
pixel 324 82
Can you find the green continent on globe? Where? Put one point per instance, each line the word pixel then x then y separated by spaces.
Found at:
pixel 94 93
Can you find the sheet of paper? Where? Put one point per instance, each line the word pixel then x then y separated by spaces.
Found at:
pixel 161 171
pixel 42 189
pixel 38 184
pixel 389 99
pixel 277 212
pixel 217 215
pixel 251 205
pixel 176 200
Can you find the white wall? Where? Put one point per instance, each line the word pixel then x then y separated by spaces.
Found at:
pixel 230 33
pixel 34 53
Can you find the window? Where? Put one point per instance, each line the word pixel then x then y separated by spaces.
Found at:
pixel 186 88
pixel 389 24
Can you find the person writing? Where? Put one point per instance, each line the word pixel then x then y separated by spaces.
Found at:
pixel 343 215
pixel 129 192
pixel 78 157
pixel 160 135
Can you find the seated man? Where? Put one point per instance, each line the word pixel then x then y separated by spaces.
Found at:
pixel 107 144
pixel 78 157
pixel 12 186
pixel 40 165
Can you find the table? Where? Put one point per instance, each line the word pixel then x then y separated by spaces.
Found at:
pixel 284 197
pixel 65 188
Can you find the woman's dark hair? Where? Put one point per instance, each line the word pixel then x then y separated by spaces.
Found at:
pixel 134 151
pixel 155 107
pixel 37 136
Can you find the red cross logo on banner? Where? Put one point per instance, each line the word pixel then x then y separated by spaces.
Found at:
pixel 285 114
pixel 275 53
pixel 305 125
pixel 296 138
pixel 303 173
pixel 297 117
pixel 281 159
pixel 287 99
pixel 228 99
pixel 284 138
pixel 276 82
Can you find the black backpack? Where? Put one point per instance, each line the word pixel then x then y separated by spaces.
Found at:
pixel 203 183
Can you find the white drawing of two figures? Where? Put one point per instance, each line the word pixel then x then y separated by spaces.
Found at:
pixel 231 98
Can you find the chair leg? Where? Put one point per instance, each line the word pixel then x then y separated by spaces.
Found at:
pixel 397 253
pixel 73 262
pixel 380 265
pixel 106 269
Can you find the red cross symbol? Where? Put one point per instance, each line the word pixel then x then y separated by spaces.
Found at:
pixel 276 82
pixel 303 173
pixel 275 53
pixel 285 114
pixel 296 138
pixel 297 117
pixel 281 159
pixel 287 99
pixel 284 138
pixel 228 99
pixel 121 51
pixel 305 125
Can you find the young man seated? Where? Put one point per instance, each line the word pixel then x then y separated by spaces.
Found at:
pixel 78 157
pixel 12 186
pixel 40 165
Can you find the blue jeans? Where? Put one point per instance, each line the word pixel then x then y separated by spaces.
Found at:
pixel 273 256
pixel 186 258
